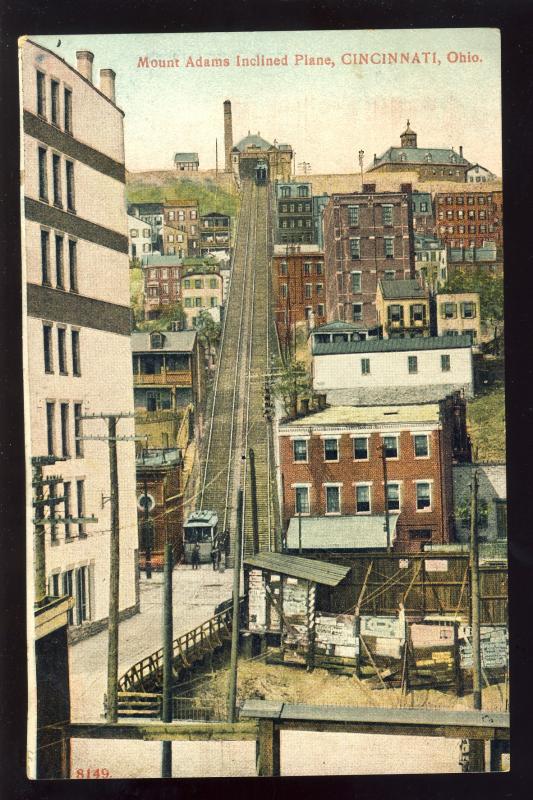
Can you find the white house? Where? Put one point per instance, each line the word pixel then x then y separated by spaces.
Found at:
pixel 492 501
pixel 478 174
pixel 139 238
pixel 408 370
pixel 76 318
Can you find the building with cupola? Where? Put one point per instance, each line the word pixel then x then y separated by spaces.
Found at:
pixel 429 163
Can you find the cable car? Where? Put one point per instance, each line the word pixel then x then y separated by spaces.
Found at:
pixel 201 527
pixel 261 173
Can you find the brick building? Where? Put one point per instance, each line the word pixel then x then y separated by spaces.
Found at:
pixel 368 236
pixel 160 476
pixel 298 285
pixel 468 218
pixel 161 283
pixel 215 233
pixel 184 216
pixel 294 213
pixel 331 466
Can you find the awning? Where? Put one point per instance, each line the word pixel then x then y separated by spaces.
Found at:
pixel 296 567
pixel 356 532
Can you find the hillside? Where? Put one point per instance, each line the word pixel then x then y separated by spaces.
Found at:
pixel 214 193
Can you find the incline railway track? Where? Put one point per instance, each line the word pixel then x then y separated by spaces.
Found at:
pixel 235 417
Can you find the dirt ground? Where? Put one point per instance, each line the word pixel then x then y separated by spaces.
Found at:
pixel 295 685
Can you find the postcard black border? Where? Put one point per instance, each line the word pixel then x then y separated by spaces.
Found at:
pixel 514 18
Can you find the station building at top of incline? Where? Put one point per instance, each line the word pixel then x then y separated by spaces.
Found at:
pixel 253 150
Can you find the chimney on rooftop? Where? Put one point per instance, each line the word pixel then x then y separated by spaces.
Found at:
pixel 461 150
pixel 107 83
pixel 228 135
pixel 85 60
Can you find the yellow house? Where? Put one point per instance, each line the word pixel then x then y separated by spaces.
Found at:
pixel 458 313
pixel 201 290
pixel 402 308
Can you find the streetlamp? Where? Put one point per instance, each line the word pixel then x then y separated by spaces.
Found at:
pixel 361 156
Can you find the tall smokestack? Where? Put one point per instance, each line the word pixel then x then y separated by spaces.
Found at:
pixel 228 135
pixel 85 60
pixel 107 83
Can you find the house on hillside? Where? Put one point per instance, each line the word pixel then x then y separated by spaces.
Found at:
pixel 186 162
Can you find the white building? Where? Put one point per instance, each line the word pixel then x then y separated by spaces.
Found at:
pixel 76 313
pixel 406 370
pixel 478 174
pixel 139 238
pixel 492 501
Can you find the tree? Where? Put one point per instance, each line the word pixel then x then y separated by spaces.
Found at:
pixel 292 382
pixel 209 331
pixel 173 316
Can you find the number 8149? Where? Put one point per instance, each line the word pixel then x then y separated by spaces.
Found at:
pixel 92 772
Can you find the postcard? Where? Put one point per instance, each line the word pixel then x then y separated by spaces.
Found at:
pixel 264 403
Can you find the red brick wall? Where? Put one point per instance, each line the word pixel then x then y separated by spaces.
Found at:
pixel 154 482
pixel 407 468
pixel 446 204
pixel 292 308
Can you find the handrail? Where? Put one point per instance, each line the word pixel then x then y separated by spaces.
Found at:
pixel 180 647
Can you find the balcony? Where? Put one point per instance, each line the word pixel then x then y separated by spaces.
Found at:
pixel 164 378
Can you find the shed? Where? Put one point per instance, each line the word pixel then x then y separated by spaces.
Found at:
pixel 355 532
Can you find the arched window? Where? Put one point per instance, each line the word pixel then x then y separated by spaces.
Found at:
pixel 156 340
pixel 428 158
pixel 403 157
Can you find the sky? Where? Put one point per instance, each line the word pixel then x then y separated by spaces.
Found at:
pixel 327 113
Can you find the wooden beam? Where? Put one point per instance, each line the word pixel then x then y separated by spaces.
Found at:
pixel 268 749
pixel 160 731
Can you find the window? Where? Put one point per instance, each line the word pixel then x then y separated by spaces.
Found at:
pixel 393 496
pixel 417 313
pixel 67 110
pixel 299 448
pixel 283 289
pixel 360 448
pixel 67 509
pixel 357 311
pixel 470 332
pixel 43 175
pixel 307 269
pixel 212 283
pixel 187 283
pixel 421 442
pixel 387 215
pixel 412 364
pixel 319 289
pixel 198 283
pixel 62 351
pixel 389 247
pixel 365 366
pixel 390 443
pixel 308 290
pixel 423 206
pixel 55 102
pixel 283 268
pixel 320 309
pixel 73 265
pixel 56 180
pixel 303 191
pixel 41 94
pixel 423 496
pixel 362 499
pixel 301 497
pixel 501 518
pixel 449 214
pixel 319 268
pixel 395 313
pixel 78 431
pixel 164 288
pixel 70 186
pixel 65 444
pixel 68 589
pixel 80 497
pixel 193 216
pixel 146 248
pixel 331 450
pixel 47 342
pixel 353 215
pixel 468 310
pixel 390 274
pixel 45 257
pixel 60 280
pixel 445 363
pixel 333 499
pixel 355 282
pixel 82 594
pixel 75 341
pixel 50 427
pixel 448 310
pixel 355 248
pixel 170 237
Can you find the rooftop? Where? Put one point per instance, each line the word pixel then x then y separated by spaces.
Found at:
pixel 391 345
pixel 419 156
pixel 367 415
pixel 337 326
pixel 297 567
pixel 145 208
pixel 159 458
pixel 252 140
pixel 341 533
pixel 186 157
pixel 173 342
pixel 295 249
pixel 402 290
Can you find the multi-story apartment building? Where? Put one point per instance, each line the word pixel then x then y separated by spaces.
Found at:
pixel 431 261
pixel 294 213
pixel 471 259
pixel 298 286
pixel 162 276
pixel 175 240
pixel 201 290
pixel 402 308
pixel 368 236
pixel 184 216
pixel 423 217
pixel 332 465
pixel 459 314
pixel 469 218
pixel 140 238
pixel 152 215
pixel 77 359
pixel 215 233
pixel 424 368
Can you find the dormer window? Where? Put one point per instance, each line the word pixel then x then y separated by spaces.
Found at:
pixel 453 158
pixel 428 157
pixel 403 157
pixel 156 340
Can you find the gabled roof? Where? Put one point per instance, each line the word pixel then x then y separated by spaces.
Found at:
pixel 186 157
pixel 391 345
pixel 297 567
pixel 341 533
pixel 337 326
pixel 408 289
pixel 417 155
pixel 173 342
pixel 252 140
pixel 146 208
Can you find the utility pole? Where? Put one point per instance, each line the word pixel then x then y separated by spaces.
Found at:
pixel 114 555
pixel 232 690
pixel 147 533
pixel 166 716
pixel 386 490
pixel 477 747
pixel 300 532
pixel 361 157
pixel 253 493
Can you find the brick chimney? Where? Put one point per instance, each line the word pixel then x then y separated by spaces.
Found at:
pixel 461 150
pixel 228 135
pixel 107 83
pixel 85 60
